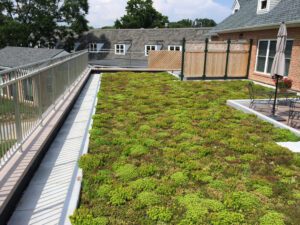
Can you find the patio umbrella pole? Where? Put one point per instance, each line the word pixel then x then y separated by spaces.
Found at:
pixel 275 97
pixel 278 66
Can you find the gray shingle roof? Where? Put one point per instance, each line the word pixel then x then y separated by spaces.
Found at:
pixel 11 57
pixel 247 17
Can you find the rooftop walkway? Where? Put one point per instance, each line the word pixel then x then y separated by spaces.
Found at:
pixel 53 192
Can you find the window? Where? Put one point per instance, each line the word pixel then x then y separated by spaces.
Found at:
pixel 92 47
pixel 266 53
pixel 149 48
pixel 175 48
pixel 263 4
pixel 95 47
pixel 120 49
pixel 236 7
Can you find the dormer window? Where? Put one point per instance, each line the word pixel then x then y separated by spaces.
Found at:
pixel 264 4
pixel 236 7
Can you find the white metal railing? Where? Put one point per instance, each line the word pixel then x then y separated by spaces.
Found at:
pixel 28 93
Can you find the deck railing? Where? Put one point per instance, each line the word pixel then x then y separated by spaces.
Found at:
pixel 28 93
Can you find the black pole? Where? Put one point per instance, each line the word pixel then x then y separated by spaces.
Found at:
pixel 275 98
pixel 183 58
pixel 205 58
pixel 249 57
pixel 227 58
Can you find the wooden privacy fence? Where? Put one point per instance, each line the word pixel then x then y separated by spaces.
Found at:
pixel 165 60
pixel 206 60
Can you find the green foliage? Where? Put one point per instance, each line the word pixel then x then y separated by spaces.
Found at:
pixel 145 128
pixel 127 172
pixel 296 195
pixel 141 14
pixel 104 190
pixel 249 157
pixel 243 201
pixel 191 201
pixel 283 171
pixel 159 213
pixel 227 218
pixel 92 162
pixel 272 218
pixel 296 159
pixel 147 170
pixel 84 217
pixel 120 195
pixel 103 176
pixel 186 23
pixel 165 189
pixel 138 150
pixel 194 215
pixel 143 184
pixel 180 178
pixel 148 198
pixel 40 22
pixel 264 190
pixel 206 163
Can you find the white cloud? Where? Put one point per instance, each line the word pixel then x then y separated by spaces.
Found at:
pixel 105 12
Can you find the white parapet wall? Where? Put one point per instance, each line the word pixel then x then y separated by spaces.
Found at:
pixel 242 106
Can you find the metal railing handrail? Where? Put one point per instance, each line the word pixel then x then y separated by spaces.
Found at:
pixel 30 92
pixel 40 62
pixel 57 61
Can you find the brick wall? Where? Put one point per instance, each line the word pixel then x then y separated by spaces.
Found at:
pixel 293 33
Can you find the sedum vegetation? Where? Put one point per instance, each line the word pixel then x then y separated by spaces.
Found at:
pixel 169 152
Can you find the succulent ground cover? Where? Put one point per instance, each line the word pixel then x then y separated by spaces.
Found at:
pixel 169 152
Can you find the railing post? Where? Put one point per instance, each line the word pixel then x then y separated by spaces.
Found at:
pixel 17 114
pixel 205 58
pixel 53 88
pixel 249 59
pixel 227 58
pixel 39 95
pixel 69 85
pixel 183 59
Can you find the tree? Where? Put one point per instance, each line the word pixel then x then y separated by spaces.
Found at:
pixel 42 22
pixel 186 23
pixel 141 14
pixel 181 24
pixel 204 23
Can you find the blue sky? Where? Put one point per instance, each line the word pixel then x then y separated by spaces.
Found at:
pixel 105 12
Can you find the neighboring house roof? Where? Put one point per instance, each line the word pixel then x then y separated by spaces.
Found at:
pixel 11 57
pixel 248 19
pixel 138 38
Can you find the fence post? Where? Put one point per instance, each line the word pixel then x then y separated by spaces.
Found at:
pixel 205 58
pixel 183 59
pixel 17 114
pixel 227 58
pixel 249 59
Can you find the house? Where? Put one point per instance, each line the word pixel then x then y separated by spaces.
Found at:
pixel 11 57
pixel 260 20
pixel 136 43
